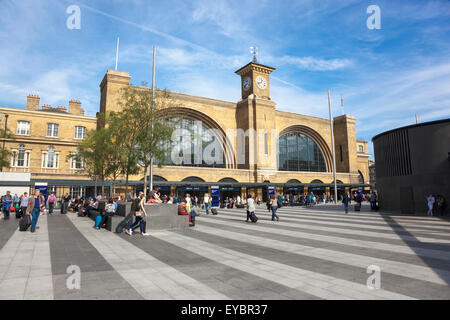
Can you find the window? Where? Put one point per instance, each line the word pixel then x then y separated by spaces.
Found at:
pixel 76 191
pixel 80 132
pixel 20 157
pixel 266 144
pixel 52 130
pixel 23 127
pixel 298 152
pixel 50 159
pixel 77 164
pixel 361 149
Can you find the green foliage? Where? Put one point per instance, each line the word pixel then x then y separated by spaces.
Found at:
pixel 5 154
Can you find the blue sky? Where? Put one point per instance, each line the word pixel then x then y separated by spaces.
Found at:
pixel 385 76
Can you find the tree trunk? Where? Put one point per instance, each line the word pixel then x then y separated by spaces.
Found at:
pixel 103 184
pixel 95 185
pixel 145 180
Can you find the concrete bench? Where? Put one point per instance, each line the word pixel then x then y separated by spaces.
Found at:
pixel 160 217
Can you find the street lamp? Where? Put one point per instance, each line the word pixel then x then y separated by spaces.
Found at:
pixel 4 132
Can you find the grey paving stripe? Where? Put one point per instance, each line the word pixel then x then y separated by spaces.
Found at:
pixel 375 216
pixel 7 228
pixel 323 286
pixel 394 283
pixel 99 280
pixel 300 220
pixel 380 221
pixel 231 282
pixel 416 244
pixel 376 253
pixel 344 219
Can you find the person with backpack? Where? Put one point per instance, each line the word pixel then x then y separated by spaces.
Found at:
pixel 35 205
pixel 140 214
pixel 274 207
pixel 51 203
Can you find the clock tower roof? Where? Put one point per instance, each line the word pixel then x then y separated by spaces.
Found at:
pixel 256 67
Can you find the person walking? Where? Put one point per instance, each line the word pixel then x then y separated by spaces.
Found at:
pixel 23 203
pixel 140 214
pixel 440 204
pixel 66 201
pixel 35 206
pixel 373 200
pixel 274 207
pixel 430 201
pixel 51 203
pixel 207 202
pixel 7 202
pixel 250 207
pixel 345 201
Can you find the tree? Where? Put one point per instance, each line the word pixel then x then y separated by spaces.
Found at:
pixel 5 154
pixel 142 115
pixel 93 150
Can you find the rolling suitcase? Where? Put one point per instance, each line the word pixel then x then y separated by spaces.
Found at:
pixel 25 223
pixel 214 211
pixel 357 207
pixel 125 223
pixel 253 217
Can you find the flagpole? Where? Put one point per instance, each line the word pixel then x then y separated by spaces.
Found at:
pixel 153 102
pixel 332 147
pixel 117 52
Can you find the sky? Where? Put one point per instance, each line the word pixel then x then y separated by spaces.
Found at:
pixel 385 75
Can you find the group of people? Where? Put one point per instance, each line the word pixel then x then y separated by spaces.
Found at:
pixel 23 205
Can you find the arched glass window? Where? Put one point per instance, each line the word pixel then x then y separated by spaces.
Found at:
pixel 195 145
pixel 21 155
pixel 360 177
pixel 298 152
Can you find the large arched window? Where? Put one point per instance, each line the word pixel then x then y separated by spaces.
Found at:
pixel 195 145
pixel 298 152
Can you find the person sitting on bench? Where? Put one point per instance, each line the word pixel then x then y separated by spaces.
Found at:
pixel 110 210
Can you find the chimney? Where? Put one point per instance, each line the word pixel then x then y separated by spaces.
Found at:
pixel 75 108
pixel 46 107
pixel 32 102
pixel 62 109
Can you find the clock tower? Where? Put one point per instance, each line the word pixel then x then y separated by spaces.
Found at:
pixel 255 80
pixel 255 115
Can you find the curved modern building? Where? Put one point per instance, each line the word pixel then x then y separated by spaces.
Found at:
pixel 412 162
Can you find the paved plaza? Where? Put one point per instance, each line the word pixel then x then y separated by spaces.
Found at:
pixel 311 253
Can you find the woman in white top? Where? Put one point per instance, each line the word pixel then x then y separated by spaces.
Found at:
pixel 207 202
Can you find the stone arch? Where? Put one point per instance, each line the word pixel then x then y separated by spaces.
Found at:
pixel 193 179
pixel 293 181
pixel 228 180
pixel 316 181
pixel 317 139
pixel 360 177
pixel 227 147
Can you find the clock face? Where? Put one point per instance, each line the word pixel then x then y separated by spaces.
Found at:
pixel 261 82
pixel 246 84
